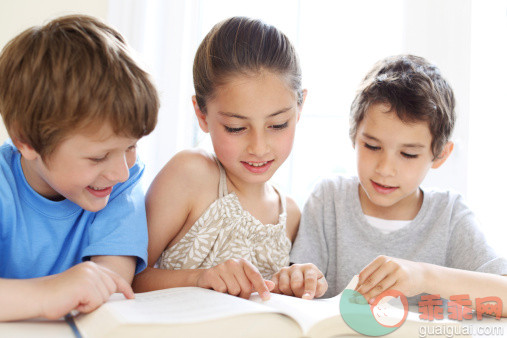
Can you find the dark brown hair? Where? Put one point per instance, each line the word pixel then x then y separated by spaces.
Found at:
pixel 73 73
pixel 241 45
pixel 415 90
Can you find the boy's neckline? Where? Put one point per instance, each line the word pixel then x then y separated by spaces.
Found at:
pixel 387 226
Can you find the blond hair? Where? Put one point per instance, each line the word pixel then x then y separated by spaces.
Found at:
pixel 73 73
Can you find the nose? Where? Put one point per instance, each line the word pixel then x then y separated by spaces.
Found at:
pixel 258 144
pixel 118 170
pixel 386 165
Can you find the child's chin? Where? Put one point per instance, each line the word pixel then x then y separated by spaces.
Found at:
pixel 93 207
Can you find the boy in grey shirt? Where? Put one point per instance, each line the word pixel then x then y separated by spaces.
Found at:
pixel 381 224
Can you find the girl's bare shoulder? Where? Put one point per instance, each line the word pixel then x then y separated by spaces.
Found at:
pixel 192 170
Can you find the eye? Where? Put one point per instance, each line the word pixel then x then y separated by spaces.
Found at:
pixel 280 126
pixel 132 147
pixel 409 156
pixel 234 130
pixel 369 146
pixel 98 159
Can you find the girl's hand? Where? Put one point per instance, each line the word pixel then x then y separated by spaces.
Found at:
pixel 83 287
pixel 391 273
pixel 300 280
pixel 236 277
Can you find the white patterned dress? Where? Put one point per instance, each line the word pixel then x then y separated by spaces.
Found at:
pixel 225 230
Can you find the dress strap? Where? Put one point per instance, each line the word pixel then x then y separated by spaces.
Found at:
pixel 283 201
pixel 222 185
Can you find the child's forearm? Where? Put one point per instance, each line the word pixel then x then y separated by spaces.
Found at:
pixel 155 279
pixel 448 282
pixel 19 299
pixel 125 266
pixel 82 287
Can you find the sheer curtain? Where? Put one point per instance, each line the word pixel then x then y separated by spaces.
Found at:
pixel 165 35
pixel 338 41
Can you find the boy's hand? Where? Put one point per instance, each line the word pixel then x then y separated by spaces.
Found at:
pixel 385 273
pixel 83 287
pixel 236 277
pixel 300 280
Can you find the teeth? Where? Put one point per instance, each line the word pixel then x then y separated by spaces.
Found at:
pixel 93 188
pixel 258 164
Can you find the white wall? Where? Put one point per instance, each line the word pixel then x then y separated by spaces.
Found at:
pixel 16 16
pixel 445 41
pixel 486 164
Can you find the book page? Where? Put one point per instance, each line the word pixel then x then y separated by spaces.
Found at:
pixel 306 312
pixel 180 305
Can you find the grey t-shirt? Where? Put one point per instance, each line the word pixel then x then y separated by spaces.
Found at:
pixel 336 237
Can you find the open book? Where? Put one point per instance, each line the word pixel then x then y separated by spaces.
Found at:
pixel 195 312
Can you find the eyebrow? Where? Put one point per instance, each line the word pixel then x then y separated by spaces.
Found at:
pixel 239 116
pixel 405 145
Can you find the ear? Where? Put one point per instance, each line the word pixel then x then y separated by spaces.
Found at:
pixel 300 106
pixel 201 116
pixel 449 146
pixel 25 149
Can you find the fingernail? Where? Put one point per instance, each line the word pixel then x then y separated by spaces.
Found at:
pixel 265 295
pixel 307 295
pixel 371 301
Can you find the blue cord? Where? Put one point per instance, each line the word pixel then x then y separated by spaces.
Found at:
pixel 70 320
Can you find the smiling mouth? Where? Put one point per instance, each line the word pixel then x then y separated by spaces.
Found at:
pixel 98 189
pixel 99 192
pixel 383 189
pixel 257 167
pixel 258 164
pixel 384 186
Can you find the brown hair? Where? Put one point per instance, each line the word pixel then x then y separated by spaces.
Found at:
pixel 415 90
pixel 245 46
pixel 74 72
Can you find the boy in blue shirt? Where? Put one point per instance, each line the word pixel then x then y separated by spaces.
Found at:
pixel 72 217
pixel 381 224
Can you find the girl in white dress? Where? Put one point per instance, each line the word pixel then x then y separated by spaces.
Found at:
pixel 214 220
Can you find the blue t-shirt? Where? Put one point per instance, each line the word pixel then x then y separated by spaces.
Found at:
pixel 40 237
